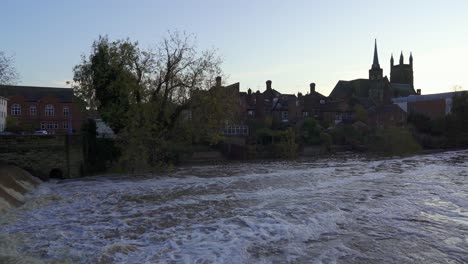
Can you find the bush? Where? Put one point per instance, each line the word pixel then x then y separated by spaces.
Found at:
pixel 310 132
pixel 394 141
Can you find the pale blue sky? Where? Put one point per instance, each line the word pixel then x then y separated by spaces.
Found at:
pixel 292 42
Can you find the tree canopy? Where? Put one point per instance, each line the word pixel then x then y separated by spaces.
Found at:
pixel 143 94
pixel 8 73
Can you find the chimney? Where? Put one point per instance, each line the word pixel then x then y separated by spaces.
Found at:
pixel 268 85
pixel 418 91
pixel 312 88
pixel 218 81
pixel 249 91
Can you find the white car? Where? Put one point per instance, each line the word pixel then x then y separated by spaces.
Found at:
pixel 40 132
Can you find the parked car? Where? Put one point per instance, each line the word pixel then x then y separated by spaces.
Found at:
pixel 40 132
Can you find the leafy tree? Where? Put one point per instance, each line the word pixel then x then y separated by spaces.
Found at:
pixel 8 73
pixel 111 79
pixel 211 110
pixel 143 94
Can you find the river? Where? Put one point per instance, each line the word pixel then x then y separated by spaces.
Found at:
pixel 343 209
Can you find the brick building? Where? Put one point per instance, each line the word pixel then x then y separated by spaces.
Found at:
pixel 431 105
pixel 55 110
pixel 270 103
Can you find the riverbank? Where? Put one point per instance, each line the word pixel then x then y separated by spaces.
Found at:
pixel 14 184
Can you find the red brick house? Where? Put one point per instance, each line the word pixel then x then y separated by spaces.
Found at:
pixel 55 110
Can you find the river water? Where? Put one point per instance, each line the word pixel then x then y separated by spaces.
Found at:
pixel 344 209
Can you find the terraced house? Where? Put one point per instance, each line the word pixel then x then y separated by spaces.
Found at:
pixel 54 110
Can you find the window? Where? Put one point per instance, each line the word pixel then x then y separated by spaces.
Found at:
pixel 50 125
pixel 236 130
pixel 43 125
pixel 56 126
pixel 15 110
pixel 284 115
pixel 33 110
pixel 49 110
pixel 66 111
pixel 251 113
pixel 305 114
pixel 65 125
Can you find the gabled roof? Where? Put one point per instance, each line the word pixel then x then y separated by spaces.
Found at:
pixel 272 93
pixel 33 93
pixel 358 87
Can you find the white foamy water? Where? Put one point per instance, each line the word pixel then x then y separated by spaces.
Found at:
pixel 337 210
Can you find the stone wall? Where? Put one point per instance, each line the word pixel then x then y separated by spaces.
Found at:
pixel 44 156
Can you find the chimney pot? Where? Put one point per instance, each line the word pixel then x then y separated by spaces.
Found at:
pixel 312 88
pixel 268 85
pixel 249 91
pixel 218 81
pixel 418 91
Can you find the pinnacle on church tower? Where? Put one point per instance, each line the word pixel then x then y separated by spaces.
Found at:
pixel 391 60
pixel 375 63
pixel 401 58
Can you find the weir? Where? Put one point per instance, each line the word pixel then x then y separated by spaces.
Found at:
pixel 44 156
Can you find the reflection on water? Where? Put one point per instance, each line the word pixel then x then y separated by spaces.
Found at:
pixel 346 209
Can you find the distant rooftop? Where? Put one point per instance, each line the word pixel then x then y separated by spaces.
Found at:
pixel 426 97
pixel 34 93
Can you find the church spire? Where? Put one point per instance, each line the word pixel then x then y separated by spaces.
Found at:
pixel 375 63
pixel 375 73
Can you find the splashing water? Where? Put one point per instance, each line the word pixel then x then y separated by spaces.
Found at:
pixel 345 210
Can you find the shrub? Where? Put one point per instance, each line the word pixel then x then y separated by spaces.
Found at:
pixel 394 141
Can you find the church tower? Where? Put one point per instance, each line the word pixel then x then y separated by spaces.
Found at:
pixel 402 73
pixel 375 73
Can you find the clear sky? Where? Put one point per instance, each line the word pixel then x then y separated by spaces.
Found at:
pixel 292 42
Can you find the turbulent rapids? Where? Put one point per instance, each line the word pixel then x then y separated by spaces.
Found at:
pixel 347 209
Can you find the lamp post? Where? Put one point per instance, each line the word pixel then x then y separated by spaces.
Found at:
pixel 70 113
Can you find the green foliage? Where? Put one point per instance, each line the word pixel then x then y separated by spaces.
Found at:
pixel 276 143
pixel 99 154
pixel 211 110
pixel 360 113
pixel 144 96
pixel 284 145
pixel 12 124
pixel 447 132
pixel 311 132
pixel 421 122
pixel 394 141
pixel 345 134
pixel 109 79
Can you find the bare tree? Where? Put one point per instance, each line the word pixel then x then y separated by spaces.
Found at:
pixel 179 70
pixel 8 74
